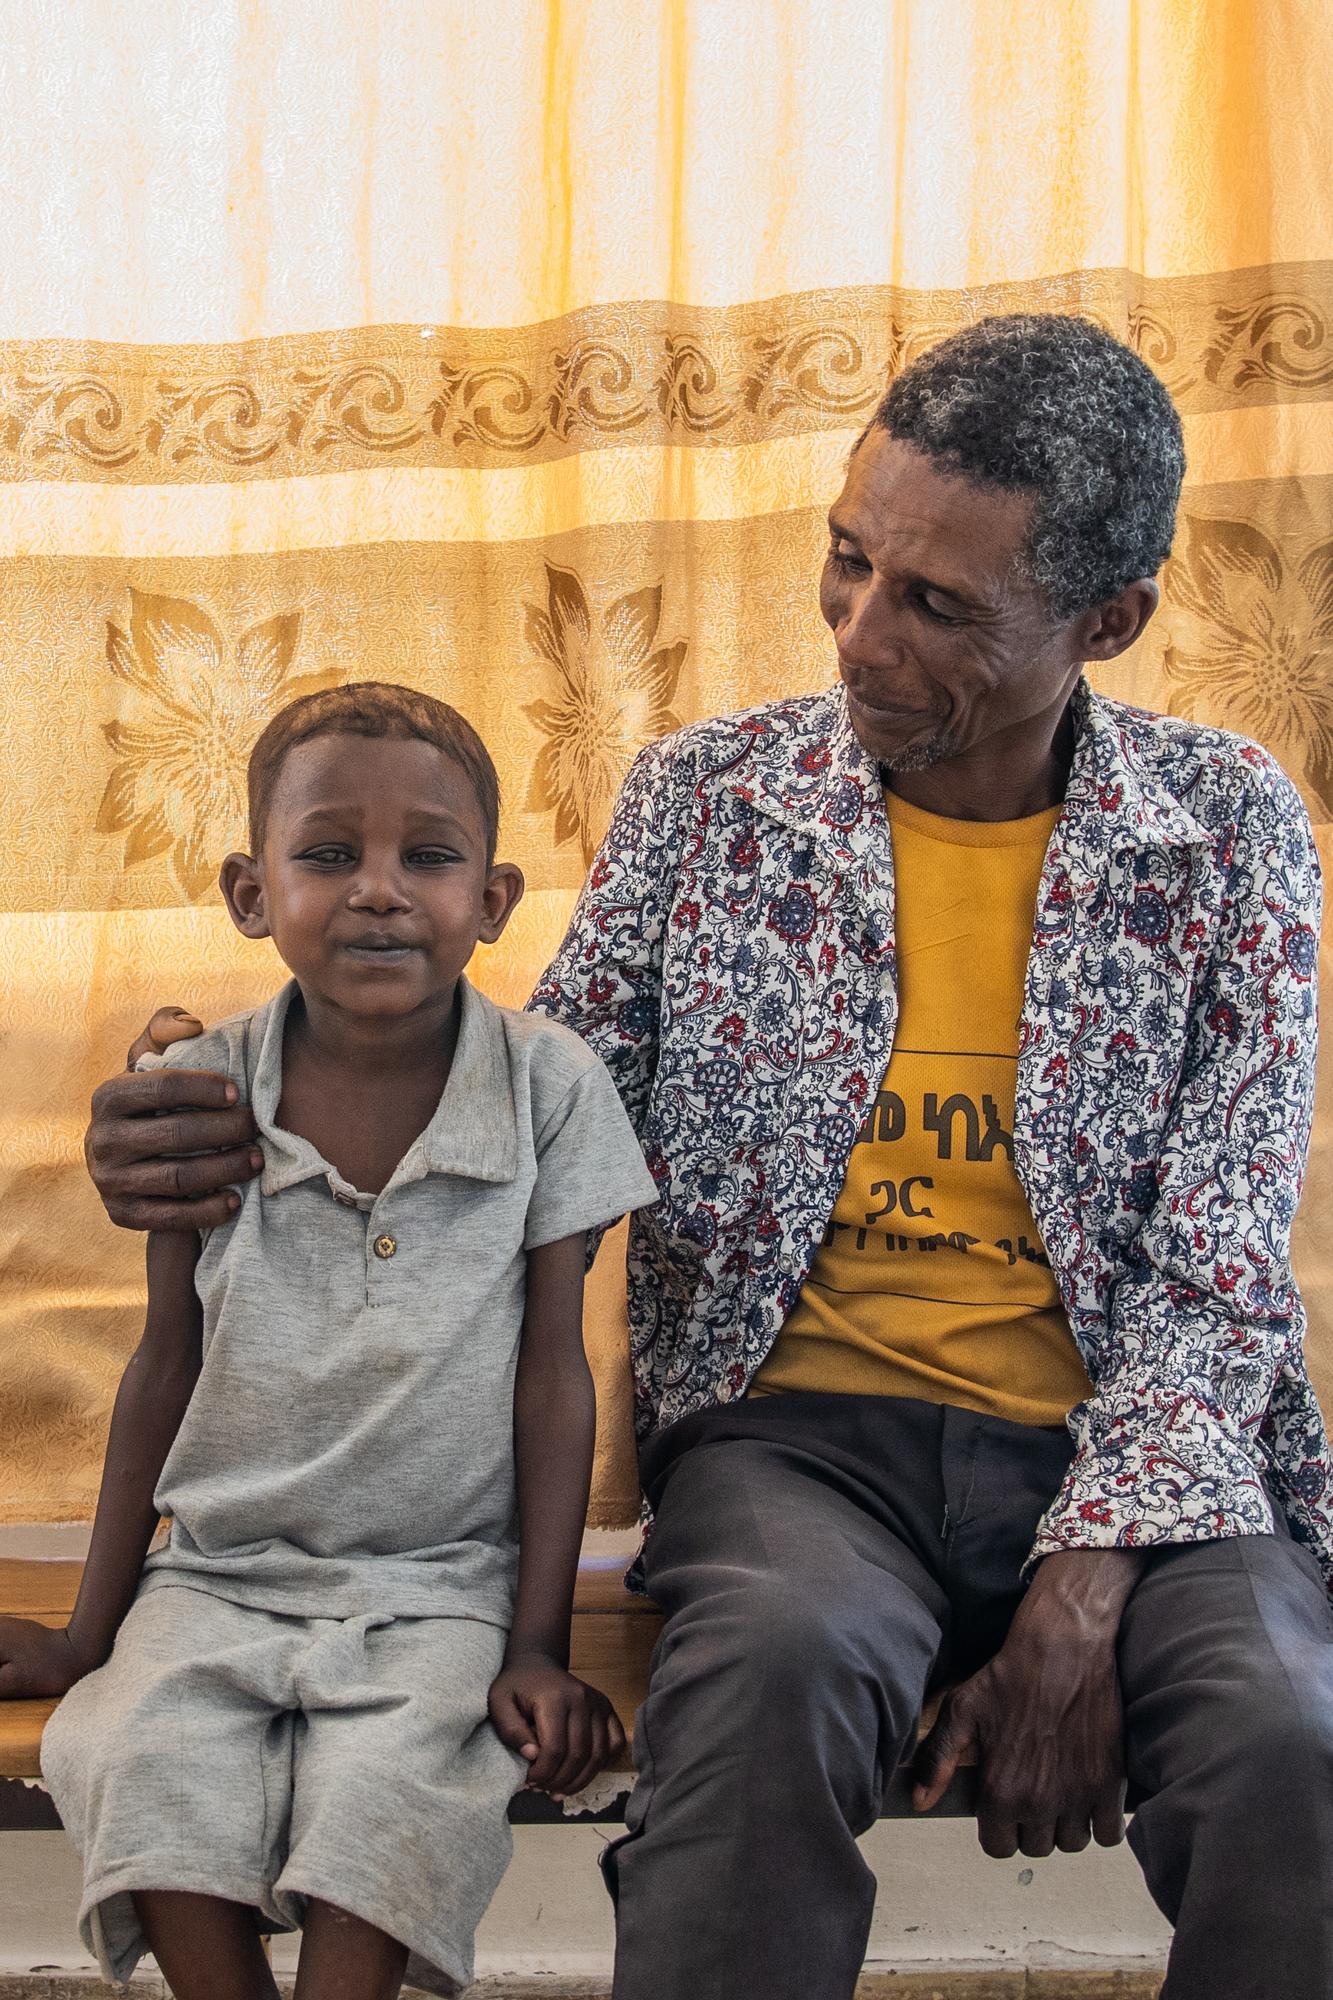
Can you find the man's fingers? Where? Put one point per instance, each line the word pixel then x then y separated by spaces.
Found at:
pixel 138 1095
pixel 168 1025
pixel 1108 1821
pixel 1036 1838
pixel 167 1217
pixel 192 1132
pixel 183 1178
pixel 1072 1834
pixel 940 1755
pixel 998 1836
pixel 616 1739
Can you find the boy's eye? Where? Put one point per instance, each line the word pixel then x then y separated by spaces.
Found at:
pixel 327 856
pixel 432 857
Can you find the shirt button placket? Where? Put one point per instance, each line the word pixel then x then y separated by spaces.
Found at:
pixel 381 1249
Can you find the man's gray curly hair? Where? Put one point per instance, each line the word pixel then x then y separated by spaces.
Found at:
pixel 1049 404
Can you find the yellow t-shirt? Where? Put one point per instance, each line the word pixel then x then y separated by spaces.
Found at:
pixel 932 1280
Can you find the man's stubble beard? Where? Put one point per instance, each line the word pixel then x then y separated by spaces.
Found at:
pixel 917 756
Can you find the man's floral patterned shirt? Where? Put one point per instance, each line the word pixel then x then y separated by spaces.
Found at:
pixel 731 959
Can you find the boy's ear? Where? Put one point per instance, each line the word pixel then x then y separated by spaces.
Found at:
pixel 242 885
pixel 504 888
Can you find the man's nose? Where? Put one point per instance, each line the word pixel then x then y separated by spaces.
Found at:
pixel 868 632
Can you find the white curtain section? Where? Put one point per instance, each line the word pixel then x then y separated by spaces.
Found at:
pixel 219 170
pixel 513 351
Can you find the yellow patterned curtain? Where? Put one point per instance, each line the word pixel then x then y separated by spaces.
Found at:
pixel 514 352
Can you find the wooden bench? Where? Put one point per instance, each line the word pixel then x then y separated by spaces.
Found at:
pixel 613 1636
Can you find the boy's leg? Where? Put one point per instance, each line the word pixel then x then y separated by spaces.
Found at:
pixel 206 1949
pixel 1226 1665
pixel 399 1792
pixel 345 1958
pixel 170 1765
pixel 799 1638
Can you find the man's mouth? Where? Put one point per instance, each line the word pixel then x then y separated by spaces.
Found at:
pixel 892 715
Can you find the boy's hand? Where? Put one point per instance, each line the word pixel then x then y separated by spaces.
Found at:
pixel 37 1660
pixel 567 1731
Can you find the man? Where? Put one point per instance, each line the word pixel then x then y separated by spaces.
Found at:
pixel 964 1335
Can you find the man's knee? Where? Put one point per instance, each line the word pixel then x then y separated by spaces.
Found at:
pixel 1273 1745
pixel 1251 1761
pixel 773 1652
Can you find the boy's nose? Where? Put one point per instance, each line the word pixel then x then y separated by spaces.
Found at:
pixel 380 891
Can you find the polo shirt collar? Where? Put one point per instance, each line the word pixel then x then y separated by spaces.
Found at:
pixel 473 1133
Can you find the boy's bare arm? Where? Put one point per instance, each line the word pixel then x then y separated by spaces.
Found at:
pixel 566 1730
pixel 154 1392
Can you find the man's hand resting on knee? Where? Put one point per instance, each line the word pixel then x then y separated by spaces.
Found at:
pixel 1043 1719
pixel 164 1147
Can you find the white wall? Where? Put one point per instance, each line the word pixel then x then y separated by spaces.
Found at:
pixel 940 1899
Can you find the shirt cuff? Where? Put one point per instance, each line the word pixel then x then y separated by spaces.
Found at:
pixel 1150 1470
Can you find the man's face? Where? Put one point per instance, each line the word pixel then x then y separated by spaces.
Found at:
pixel 373 879
pixel 942 644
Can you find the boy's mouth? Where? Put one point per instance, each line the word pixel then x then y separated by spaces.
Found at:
pixel 379 950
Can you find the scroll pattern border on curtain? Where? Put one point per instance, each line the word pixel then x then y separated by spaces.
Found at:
pixel 648 372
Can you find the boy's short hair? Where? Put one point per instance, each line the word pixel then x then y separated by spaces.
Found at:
pixel 371 708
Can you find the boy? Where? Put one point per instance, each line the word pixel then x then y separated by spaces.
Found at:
pixel 346 1398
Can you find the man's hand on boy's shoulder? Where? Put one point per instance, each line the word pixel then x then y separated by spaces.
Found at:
pixel 37 1660
pixel 566 1731
pixel 165 1147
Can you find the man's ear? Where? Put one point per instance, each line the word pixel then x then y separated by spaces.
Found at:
pixel 242 885
pixel 1111 628
pixel 504 888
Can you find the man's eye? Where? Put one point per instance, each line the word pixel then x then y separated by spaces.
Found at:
pixel 936 612
pixel 846 559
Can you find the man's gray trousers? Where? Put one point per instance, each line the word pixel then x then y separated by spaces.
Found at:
pixel 821 1561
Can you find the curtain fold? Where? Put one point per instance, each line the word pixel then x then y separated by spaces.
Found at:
pixel 515 353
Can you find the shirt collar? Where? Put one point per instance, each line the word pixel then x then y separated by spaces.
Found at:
pixel 815 776
pixel 474 1130
pixel 808 769
pixel 1113 798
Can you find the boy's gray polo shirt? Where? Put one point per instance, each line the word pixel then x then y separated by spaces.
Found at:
pixel 349 1444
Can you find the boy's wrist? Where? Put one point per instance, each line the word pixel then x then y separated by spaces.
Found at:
pixel 547 1648
pixel 88 1648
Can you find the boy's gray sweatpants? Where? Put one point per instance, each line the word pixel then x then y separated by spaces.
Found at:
pixel 820 1560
